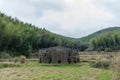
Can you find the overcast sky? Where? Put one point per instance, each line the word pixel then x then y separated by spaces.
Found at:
pixel 73 18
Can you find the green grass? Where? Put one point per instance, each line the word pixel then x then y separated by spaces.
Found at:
pixel 35 71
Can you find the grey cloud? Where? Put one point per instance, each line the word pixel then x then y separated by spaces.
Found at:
pixel 43 5
pixel 112 5
pixel 36 6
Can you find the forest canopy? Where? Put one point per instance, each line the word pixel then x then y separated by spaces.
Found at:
pixel 24 38
pixel 17 36
pixel 107 42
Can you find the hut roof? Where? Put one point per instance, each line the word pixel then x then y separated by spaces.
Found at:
pixel 57 48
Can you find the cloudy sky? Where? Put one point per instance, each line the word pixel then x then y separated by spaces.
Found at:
pixel 73 18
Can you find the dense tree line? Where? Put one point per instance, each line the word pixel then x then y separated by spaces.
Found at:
pixel 107 42
pixel 86 39
pixel 23 38
pixel 17 36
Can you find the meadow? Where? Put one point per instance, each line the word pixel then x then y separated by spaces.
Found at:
pixel 33 70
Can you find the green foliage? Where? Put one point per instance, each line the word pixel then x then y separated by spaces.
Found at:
pixel 4 55
pixel 106 42
pixel 99 33
pixel 19 37
pixel 5 65
pixel 16 36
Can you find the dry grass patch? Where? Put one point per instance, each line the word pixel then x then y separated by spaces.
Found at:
pixel 115 67
pixel 36 71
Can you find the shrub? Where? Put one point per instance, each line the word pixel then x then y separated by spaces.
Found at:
pixel 16 59
pixel 115 67
pixel 4 55
pixel 101 64
pixel 5 65
pixel 22 59
pixel 108 50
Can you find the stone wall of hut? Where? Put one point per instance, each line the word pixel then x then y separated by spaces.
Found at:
pixel 60 55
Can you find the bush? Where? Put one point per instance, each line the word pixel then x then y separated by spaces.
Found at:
pixel 101 64
pixel 115 67
pixel 5 65
pixel 22 59
pixel 16 59
pixel 4 55
pixel 108 50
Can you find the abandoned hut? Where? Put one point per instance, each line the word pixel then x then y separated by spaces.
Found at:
pixel 60 55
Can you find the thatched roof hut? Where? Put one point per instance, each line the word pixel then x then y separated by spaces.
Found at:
pixel 60 55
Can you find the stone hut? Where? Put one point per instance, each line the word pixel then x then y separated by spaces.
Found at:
pixel 59 55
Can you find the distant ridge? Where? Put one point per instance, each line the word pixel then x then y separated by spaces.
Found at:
pixel 100 32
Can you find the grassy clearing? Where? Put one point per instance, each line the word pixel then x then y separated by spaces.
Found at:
pixel 35 71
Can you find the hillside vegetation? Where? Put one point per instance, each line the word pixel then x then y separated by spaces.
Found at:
pixel 104 40
pixel 23 38
pixel 107 42
pixel 86 39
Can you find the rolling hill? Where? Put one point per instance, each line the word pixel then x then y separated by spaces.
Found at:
pixel 24 38
pixel 86 39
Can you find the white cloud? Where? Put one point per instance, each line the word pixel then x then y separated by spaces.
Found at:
pixel 79 17
pixel 74 18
